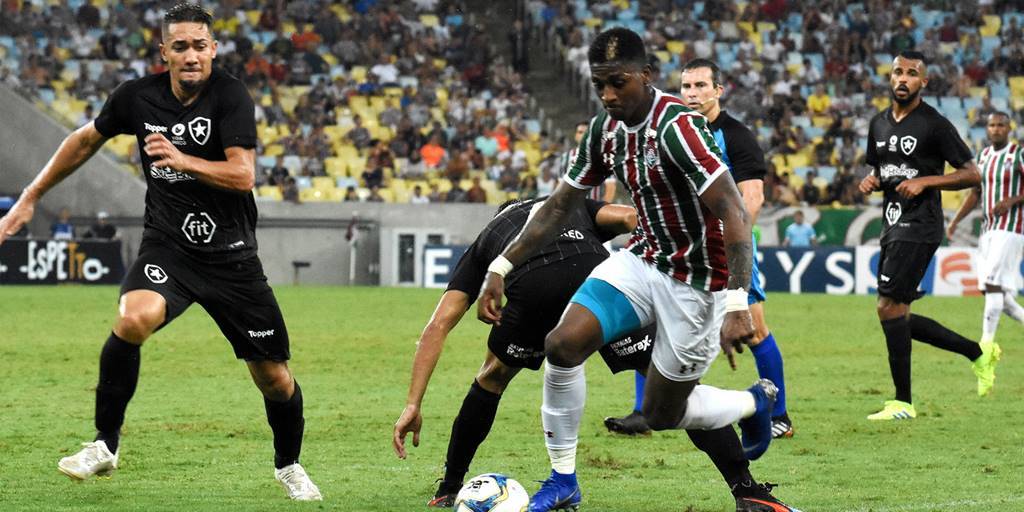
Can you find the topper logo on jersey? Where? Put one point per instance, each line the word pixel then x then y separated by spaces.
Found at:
pixel 893 212
pixel 199 228
pixel 155 274
pixel 907 144
pixel 155 128
pixel 199 128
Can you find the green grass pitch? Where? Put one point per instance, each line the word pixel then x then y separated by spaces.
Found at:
pixel 196 437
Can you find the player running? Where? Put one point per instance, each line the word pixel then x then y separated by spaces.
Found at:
pixel 197 133
pixel 538 291
pixel 701 90
pixel 908 146
pixel 1002 188
pixel 693 241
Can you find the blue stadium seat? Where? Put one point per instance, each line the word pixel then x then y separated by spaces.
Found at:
pixel 989 45
pixel 303 182
pixel 47 95
pixel 978 134
pixel 999 89
pixel 266 162
pixel 950 102
pixel 817 60
pixel 814 131
pixel 1001 102
pixel 346 181
pixel 972 102
pixel 698 9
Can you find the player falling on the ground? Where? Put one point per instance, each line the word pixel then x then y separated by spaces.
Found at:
pixel 1002 191
pixel 538 291
pixel 908 146
pixel 701 90
pixel 693 241
pixel 196 131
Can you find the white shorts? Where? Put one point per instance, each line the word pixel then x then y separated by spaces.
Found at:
pixel 689 320
pixel 1000 254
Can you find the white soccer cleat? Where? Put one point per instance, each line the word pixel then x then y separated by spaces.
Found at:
pixel 297 483
pixel 93 460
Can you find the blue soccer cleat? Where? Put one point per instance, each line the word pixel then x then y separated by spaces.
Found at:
pixel 558 492
pixel 757 429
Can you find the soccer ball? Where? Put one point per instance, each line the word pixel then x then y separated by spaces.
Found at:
pixel 492 492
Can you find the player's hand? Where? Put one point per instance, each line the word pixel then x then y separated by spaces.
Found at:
pixel 488 306
pixel 16 218
pixel 910 189
pixel 869 184
pixel 737 330
pixel 1001 208
pixel 950 229
pixel 164 153
pixel 409 421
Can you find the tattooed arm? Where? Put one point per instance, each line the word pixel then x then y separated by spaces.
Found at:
pixel 724 201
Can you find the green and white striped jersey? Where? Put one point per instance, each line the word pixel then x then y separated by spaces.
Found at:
pixel 665 164
pixel 1002 177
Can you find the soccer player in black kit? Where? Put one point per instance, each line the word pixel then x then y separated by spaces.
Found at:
pixel 197 134
pixel 538 292
pixel 908 146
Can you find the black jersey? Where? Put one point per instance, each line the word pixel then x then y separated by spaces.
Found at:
pixel 213 224
pixel 919 145
pixel 581 235
pixel 739 148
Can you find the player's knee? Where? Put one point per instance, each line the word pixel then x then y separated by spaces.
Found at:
pixel 760 333
pixel 276 386
pixel 559 350
pixel 136 325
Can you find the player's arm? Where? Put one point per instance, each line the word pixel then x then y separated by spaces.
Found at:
pixel 609 190
pixel 724 201
pixel 75 150
pixel 752 192
pixel 969 203
pixel 449 311
pixel 616 218
pixel 965 176
pixel 540 230
pixel 237 173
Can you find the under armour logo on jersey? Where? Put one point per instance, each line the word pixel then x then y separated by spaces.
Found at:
pixel 609 159
pixel 907 144
pixel 199 128
pixel 155 274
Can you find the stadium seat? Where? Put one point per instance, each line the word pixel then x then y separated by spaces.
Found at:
pixel 303 182
pixel 314 195
pixel 323 182
pixel 270 192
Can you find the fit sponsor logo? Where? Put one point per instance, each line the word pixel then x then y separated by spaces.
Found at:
pixel 893 212
pixel 199 228
pixel 155 274
pixel 200 128
pixel 523 352
pixel 898 171
pixel 155 128
pixel 261 334
pixel 168 174
pixel 627 346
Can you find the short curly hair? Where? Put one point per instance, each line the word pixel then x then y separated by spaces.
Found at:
pixel 187 12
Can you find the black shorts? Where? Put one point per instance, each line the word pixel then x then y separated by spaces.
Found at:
pixel 901 266
pixel 535 304
pixel 236 295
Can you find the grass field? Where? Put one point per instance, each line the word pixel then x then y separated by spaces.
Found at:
pixel 196 436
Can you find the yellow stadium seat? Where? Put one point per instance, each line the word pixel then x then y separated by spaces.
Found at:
pixel 288 104
pixel 442 98
pixel 122 145
pixel 323 182
pixel 765 26
pixel 429 20
pixel 387 194
pixel 884 69
pixel 978 92
pixel 358 73
pixel 663 56
pixel 821 121
pixel 273 150
pixel 593 22
pixel 378 103
pixel 270 192
pixel 1016 86
pixel 288 27
pixel 253 16
pixel 355 166
pixel 746 26
pixel 336 195
pixel 313 195
pixel 347 151
pixel 334 166
pixel 991 27
pixel 675 47
pixel 269 135
pixel 440 63
pixel 329 58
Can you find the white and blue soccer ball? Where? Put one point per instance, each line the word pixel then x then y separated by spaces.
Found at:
pixel 492 492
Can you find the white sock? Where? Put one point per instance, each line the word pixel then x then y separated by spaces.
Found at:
pixel 1011 307
pixel 993 310
pixel 565 393
pixel 709 408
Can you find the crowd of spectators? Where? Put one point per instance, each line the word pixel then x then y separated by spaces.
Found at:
pixel 808 75
pixel 364 100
